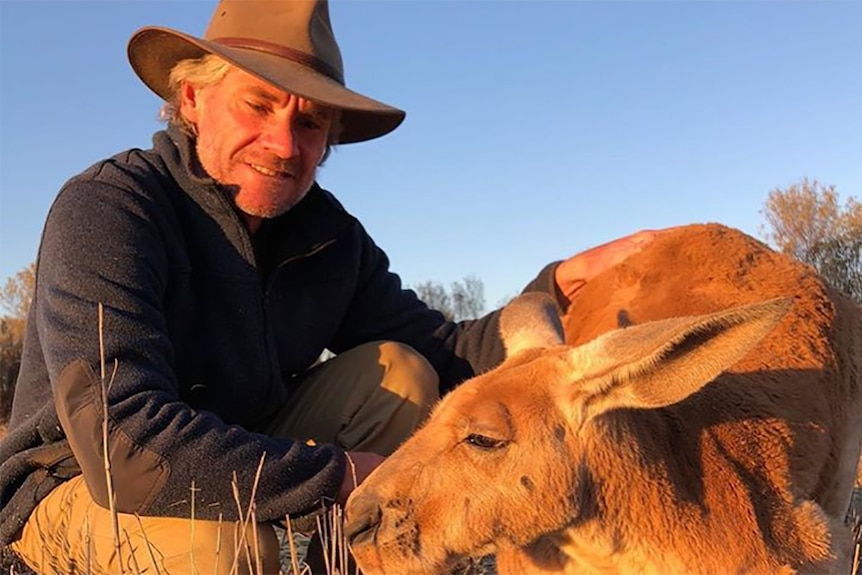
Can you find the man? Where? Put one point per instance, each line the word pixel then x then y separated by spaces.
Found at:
pixel 223 271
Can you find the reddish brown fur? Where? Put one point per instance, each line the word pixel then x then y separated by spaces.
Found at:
pixel 707 268
pixel 753 473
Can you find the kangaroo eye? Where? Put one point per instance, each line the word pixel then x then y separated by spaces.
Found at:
pixel 485 442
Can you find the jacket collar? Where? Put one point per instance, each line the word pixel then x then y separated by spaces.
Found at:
pixel 317 220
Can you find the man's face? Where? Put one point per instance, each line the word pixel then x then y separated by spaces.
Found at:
pixel 263 144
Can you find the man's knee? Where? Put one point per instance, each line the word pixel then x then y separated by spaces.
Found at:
pixel 392 400
pixel 408 374
pixel 69 533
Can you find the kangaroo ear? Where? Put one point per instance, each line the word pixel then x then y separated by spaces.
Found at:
pixel 662 362
pixel 529 321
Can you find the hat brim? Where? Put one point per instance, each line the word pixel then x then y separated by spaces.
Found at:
pixel 153 51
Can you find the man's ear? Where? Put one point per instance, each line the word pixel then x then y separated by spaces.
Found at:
pixel 189 103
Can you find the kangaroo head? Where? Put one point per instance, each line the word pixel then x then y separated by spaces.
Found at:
pixel 500 463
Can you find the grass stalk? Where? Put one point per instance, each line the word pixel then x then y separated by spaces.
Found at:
pixel 218 538
pixel 239 526
pixel 132 557
pixel 324 542
pixel 255 539
pixel 245 519
pixel 291 545
pixel 192 561
pixel 88 553
pixel 106 454
pixel 153 562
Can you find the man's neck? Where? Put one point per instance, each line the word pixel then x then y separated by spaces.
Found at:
pixel 251 222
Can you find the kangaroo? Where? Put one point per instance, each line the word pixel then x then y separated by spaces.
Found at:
pixel 699 413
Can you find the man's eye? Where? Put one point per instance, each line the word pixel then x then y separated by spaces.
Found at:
pixel 484 442
pixel 257 107
pixel 309 124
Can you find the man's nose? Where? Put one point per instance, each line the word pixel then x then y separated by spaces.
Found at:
pixel 280 137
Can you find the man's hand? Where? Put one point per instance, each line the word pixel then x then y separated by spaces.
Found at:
pixel 572 274
pixel 360 464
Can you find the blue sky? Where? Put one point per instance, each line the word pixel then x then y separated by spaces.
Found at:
pixel 535 128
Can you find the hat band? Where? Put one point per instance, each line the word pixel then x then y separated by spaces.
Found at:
pixel 307 60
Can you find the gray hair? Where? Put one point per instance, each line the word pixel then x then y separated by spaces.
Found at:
pixel 209 70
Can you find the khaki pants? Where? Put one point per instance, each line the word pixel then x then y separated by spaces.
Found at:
pixel 370 398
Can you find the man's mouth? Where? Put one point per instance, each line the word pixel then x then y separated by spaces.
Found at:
pixel 270 172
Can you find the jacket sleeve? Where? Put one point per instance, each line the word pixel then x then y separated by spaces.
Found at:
pixel 104 243
pixel 383 309
pixel 545 282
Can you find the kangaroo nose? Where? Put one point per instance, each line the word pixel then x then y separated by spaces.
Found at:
pixel 363 515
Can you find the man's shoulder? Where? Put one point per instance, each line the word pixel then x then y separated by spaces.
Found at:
pixel 133 181
pixel 132 168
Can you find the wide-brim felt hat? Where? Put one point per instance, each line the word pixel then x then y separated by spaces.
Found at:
pixel 287 43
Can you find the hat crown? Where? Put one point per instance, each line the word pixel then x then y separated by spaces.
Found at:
pixel 296 26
